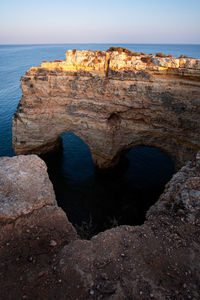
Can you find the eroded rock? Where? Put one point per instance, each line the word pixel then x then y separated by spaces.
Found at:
pixel 158 260
pixel 41 257
pixel 155 102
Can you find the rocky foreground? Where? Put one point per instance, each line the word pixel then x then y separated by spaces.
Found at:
pixel 113 101
pixel 41 256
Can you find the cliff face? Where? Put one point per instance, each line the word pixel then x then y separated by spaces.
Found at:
pixel 42 258
pixel 113 101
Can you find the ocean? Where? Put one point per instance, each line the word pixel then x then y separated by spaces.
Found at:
pixel 92 200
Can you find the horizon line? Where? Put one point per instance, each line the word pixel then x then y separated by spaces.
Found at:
pixel 98 43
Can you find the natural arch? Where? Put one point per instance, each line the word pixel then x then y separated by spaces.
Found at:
pixel 95 201
pixel 167 147
pixel 155 105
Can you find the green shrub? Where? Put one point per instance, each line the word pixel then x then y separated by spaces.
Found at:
pixel 135 54
pixel 100 53
pixel 119 50
pixel 159 54
pixel 183 56
pixel 127 51
pixel 86 230
pixel 147 60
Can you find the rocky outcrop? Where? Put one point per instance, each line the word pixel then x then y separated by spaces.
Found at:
pixel 41 257
pixel 24 185
pixel 32 226
pixel 113 101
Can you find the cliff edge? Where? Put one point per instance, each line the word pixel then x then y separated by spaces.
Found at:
pixel 113 101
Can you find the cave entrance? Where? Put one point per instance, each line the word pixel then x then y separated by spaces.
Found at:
pixel 94 200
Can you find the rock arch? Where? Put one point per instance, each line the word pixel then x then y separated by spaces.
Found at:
pixel 111 107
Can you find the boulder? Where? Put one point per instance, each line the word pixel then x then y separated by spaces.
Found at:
pixel 24 185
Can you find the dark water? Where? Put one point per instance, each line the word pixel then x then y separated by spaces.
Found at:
pixel 103 200
pixel 99 200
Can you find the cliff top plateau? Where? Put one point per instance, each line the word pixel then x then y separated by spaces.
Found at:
pixel 118 59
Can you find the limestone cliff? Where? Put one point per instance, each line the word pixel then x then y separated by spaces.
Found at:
pixel 113 100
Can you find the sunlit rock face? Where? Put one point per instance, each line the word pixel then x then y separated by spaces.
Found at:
pixel 113 100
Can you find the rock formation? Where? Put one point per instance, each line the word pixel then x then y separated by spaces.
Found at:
pixel 113 101
pixel 32 226
pixel 42 258
pixel 28 176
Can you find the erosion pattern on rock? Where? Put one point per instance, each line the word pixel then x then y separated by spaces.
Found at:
pixel 112 101
pixel 41 257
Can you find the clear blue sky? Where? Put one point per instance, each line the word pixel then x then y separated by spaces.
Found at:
pixel 99 21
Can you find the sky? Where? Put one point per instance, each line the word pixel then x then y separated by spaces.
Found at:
pixel 99 21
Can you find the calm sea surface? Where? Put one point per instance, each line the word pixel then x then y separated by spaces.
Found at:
pixel 89 198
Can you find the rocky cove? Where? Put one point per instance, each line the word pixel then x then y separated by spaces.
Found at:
pixel 113 101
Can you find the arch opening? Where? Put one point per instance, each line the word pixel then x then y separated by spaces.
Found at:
pixel 94 200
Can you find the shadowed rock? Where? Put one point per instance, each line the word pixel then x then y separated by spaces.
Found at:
pixel 41 257
pixel 32 226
